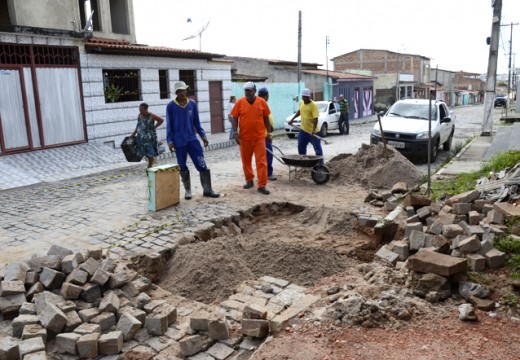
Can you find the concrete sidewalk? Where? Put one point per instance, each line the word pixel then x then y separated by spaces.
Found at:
pixel 470 158
pixel 482 149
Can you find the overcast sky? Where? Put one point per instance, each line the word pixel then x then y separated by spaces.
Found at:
pixel 452 33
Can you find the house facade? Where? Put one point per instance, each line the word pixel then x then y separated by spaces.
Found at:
pixel 469 88
pixel 281 78
pixel 396 75
pixel 69 81
pixel 446 81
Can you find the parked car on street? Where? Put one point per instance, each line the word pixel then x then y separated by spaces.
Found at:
pixel 328 119
pixel 501 100
pixel 405 127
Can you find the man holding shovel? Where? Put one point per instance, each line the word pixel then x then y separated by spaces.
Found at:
pixel 182 127
pixel 309 125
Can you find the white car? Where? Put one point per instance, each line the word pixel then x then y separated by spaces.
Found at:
pixel 328 119
pixel 405 127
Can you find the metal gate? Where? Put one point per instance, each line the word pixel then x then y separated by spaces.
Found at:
pixel 41 100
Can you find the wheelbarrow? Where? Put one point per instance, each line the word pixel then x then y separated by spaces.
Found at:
pixel 319 172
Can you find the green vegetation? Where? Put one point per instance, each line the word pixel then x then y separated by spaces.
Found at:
pixel 459 145
pixel 504 160
pixel 466 181
pixel 508 244
pixel 478 278
pixel 510 300
pixel 511 246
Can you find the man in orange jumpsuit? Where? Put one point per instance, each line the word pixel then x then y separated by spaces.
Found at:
pixel 250 122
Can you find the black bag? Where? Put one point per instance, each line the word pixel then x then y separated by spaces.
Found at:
pixel 130 150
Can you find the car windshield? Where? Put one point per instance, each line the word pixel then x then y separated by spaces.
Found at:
pixel 412 111
pixel 322 107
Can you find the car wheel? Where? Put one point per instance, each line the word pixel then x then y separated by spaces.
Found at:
pixel 435 151
pixel 447 145
pixel 323 130
pixel 291 136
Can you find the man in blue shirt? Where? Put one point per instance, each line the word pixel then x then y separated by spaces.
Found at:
pixel 182 126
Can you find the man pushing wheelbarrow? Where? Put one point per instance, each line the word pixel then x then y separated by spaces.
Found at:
pixel 309 113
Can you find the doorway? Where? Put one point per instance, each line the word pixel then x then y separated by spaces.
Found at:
pixel 216 108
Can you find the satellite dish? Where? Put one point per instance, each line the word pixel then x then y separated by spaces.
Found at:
pixel 198 33
pixel 88 25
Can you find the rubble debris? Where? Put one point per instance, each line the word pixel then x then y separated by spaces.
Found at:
pixel 501 187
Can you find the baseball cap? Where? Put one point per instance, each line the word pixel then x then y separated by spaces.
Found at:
pixel 306 92
pixel 249 86
pixel 180 85
pixel 263 91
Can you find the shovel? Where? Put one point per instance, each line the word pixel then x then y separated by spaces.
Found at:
pixel 382 135
pixel 316 136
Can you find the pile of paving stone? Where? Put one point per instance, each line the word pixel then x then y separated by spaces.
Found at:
pixel 439 241
pixel 88 305
pixel 243 321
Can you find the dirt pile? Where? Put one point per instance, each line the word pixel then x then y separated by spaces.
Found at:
pixel 372 169
pixel 195 275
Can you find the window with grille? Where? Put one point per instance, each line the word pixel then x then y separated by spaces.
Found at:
pixel 164 88
pixel 121 85
pixel 188 76
pixel 19 54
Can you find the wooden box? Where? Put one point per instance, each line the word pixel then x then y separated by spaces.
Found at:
pixel 163 186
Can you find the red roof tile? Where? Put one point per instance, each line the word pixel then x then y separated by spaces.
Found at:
pixel 122 47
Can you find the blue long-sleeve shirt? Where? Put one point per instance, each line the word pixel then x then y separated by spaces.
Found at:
pixel 182 123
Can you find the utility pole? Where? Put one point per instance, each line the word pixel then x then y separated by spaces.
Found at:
pixel 509 69
pixel 299 51
pixel 327 62
pixel 397 78
pixel 491 77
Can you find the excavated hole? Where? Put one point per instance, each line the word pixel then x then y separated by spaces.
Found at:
pixel 298 244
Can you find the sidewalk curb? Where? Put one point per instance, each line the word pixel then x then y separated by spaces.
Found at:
pixel 456 157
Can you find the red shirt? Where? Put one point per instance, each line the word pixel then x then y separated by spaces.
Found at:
pixel 251 118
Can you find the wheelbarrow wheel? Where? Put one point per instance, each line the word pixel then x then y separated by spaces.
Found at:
pixel 320 174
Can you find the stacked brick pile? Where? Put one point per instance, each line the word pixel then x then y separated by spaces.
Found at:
pixel 260 308
pixel 443 239
pixel 88 305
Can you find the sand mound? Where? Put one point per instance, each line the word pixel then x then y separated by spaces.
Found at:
pixel 209 271
pixel 372 169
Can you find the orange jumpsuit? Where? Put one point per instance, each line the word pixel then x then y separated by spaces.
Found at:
pixel 251 128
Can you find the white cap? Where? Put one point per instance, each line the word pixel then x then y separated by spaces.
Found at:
pixel 306 92
pixel 180 85
pixel 249 86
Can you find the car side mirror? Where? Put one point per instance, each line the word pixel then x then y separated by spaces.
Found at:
pixel 381 113
pixel 447 119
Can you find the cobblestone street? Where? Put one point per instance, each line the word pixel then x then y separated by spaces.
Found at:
pixel 109 208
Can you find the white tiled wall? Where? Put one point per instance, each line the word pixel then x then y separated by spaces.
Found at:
pixel 114 121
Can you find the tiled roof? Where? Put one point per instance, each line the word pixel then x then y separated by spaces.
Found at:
pixel 122 47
